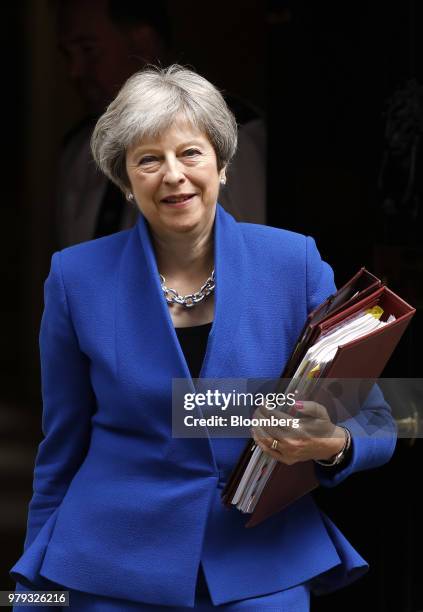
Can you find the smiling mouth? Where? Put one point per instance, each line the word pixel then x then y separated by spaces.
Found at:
pixel 178 199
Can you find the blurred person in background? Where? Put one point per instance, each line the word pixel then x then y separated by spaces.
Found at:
pixel 104 42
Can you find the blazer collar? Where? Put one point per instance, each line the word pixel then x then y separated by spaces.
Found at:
pixel 144 324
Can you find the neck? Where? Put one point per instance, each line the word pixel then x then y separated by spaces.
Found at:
pixel 185 254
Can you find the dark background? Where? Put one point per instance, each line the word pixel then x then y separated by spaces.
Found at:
pixel 322 73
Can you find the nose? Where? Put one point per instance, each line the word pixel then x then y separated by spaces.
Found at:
pixel 173 172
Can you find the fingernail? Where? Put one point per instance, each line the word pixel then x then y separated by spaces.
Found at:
pixel 295 407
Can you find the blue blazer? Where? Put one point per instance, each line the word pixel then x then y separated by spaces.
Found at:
pixel 122 509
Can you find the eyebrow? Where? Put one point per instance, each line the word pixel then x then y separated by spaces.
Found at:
pixel 148 147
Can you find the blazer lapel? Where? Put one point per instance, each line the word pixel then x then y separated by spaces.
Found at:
pixel 146 341
pixel 229 259
pixel 148 353
pixel 144 322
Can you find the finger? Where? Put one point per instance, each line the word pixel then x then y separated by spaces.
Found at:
pixel 279 432
pixel 259 434
pixel 309 411
pixel 274 453
pixel 270 433
pixel 312 409
pixel 266 446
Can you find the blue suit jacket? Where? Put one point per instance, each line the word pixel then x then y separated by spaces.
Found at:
pixel 122 509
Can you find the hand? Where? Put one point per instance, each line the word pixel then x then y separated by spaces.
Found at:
pixel 316 437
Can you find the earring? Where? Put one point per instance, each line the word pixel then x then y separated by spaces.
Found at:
pixel 223 180
pixel 130 197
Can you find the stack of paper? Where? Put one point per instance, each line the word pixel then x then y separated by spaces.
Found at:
pixel 350 335
pixel 312 366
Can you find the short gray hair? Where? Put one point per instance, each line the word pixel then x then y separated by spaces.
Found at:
pixel 148 104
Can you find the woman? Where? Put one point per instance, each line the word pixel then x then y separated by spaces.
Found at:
pixel 125 516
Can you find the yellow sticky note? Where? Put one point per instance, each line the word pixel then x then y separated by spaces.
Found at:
pixel 314 372
pixel 376 312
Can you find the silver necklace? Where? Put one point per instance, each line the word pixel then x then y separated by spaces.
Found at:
pixel 190 300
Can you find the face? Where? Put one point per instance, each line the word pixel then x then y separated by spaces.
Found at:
pixel 99 56
pixel 175 180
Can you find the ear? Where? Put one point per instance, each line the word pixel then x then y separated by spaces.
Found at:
pixel 222 175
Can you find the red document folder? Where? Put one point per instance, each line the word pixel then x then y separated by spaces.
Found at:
pixel 357 288
pixel 364 358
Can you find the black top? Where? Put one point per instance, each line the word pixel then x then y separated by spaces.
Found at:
pixel 193 341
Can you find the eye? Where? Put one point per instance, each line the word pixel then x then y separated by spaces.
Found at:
pixel 148 159
pixel 191 152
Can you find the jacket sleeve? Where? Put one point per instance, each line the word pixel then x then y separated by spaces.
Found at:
pixel 68 404
pixel 373 430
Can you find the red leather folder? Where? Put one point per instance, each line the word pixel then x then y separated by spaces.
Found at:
pixel 364 358
pixel 354 290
